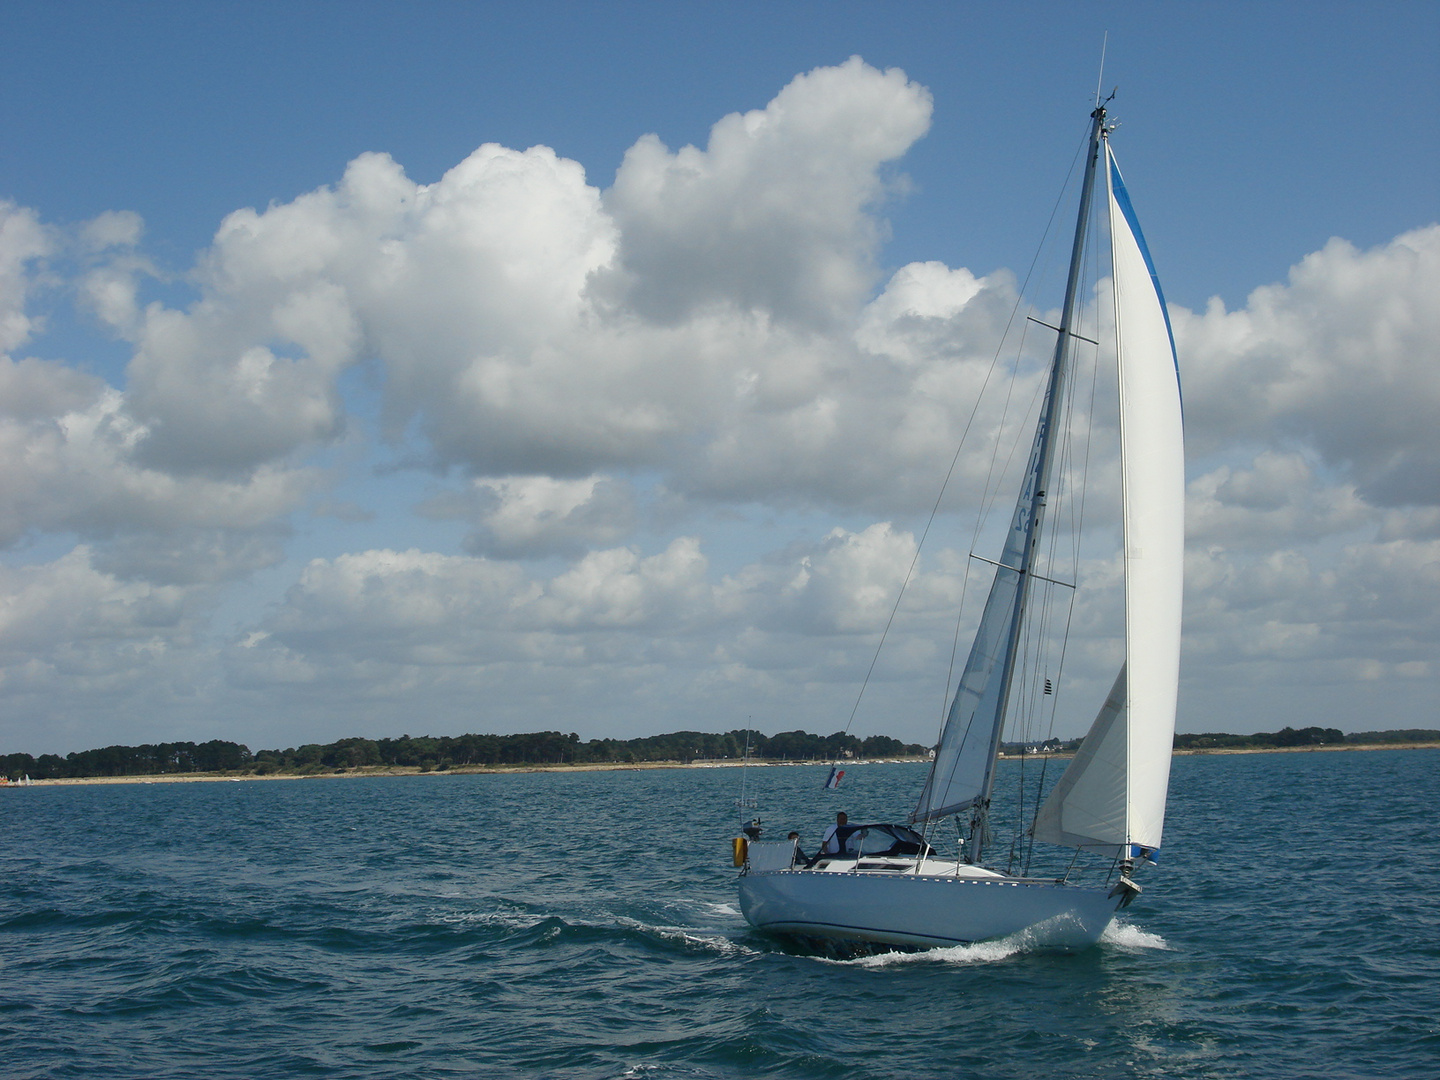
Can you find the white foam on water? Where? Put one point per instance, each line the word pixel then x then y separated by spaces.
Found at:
pixel 1038 938
pixel 982 952
pixel 503 920
pixel 1130 936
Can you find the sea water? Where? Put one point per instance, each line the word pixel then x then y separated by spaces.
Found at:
pixel 585 925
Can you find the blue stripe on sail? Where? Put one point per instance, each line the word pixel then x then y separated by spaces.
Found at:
pixel 1122 199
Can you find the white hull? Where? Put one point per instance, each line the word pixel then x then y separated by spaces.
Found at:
pixel 925 910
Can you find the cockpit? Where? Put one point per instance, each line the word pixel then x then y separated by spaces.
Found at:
pixel 876 841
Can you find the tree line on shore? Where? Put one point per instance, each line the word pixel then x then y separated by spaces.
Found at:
pixel 443 752
pixel 1308 736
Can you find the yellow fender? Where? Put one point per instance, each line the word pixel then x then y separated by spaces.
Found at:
pixel 742 850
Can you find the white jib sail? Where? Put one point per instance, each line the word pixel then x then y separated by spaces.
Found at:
pixel 1153 485
pixel 1087 808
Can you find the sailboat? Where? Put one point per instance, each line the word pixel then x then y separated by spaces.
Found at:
pixel 884 884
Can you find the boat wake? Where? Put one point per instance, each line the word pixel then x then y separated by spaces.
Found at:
pixel 982 952
pixel 1129 936
pixel 1037 939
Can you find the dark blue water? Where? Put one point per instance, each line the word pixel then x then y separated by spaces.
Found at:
pixel 585 925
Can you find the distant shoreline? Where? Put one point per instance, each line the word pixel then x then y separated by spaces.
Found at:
pixel 1327 748
pixel 615 766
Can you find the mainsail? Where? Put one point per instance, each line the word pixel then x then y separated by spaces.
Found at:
pixel 960 775
pixel 964 768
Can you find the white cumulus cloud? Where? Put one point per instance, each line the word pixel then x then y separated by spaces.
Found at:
pixel 589 378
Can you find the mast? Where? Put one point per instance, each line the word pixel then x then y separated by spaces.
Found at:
pixel 1039 479
pixel 963 772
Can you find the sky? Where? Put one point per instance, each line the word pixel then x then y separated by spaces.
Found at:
pixel 429 368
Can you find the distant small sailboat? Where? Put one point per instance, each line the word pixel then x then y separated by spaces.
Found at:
pixel 883 884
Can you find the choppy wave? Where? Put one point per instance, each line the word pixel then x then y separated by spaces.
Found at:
pixel 410 929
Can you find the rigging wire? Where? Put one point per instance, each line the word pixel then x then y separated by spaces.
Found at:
pixel 1036 644
pixel 1075 508
pixel 964 435
pixel 1042 635
pixel 994 475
